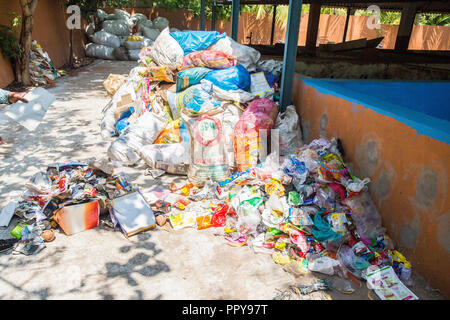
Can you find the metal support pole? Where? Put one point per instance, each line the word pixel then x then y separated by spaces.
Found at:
pixel 405 27
pixel 234 19
pixel 202 15
pixel 290 53
pixel 213 16
pixel 347 19
pixel 274 15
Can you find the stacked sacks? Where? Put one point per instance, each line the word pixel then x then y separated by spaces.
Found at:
pixel 200 92
pixel 123 35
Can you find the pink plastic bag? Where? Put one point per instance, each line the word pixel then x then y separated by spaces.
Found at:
pixel 260 114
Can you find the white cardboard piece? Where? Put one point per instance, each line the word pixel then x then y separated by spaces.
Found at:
pixel 133 213
pixel 30 114
pixel 7 213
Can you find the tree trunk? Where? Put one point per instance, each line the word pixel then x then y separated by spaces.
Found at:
pixel 23 63
pixel 25 44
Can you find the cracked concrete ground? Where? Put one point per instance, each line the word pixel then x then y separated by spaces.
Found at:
pixel 103 264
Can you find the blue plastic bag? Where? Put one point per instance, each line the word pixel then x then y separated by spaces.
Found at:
pixel 191 41
pixel 191 76
pixel 233 78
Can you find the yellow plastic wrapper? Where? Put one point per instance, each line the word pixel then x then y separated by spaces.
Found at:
pixel 274 187
pixel 281 257
pixel 161 73
pixel 170 134
pixel 134 38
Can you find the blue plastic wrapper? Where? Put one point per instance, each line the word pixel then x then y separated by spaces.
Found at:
pixel 121 125
pixel 191 41
pixel 191 76
pixel 271 78
pixel 295 168
pixel 184 133
pixel 233 78
pixel 322 229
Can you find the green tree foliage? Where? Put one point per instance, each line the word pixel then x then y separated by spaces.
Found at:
pixel 9 42
pixel 434 19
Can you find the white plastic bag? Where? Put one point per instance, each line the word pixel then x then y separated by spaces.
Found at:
pixel 106 38
pixel 141 132
pixel 245 55
pixel 228 95
pixel 290 133
pixel 166 50
pixel 208 161
pixel 171 157
pixel 99 51
pixel 324 265
pixel 273 66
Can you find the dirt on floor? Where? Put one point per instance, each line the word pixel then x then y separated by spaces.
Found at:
pixel 101 263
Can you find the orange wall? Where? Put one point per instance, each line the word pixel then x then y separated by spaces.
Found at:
pixel 409 173
pixel 49 30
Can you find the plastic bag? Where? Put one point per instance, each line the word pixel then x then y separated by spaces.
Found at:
pixel 145 57
pixel 231 116
pixel 141 132
pixel 260 114
pixel 324 265
pixel 166 50
pixel 191 76
pixel 174 132
pixel 121 54
pixel 134 54
pixel 161 23
pixel 122 14
pixel 272 66
pixel 366 216
pixel 113 83
pixel 150 33
pixel 117 27
pixel 208 59
pixel 295 169
pixel 290 133
pixel 322 230
pixel 276 211
pixel 192 41
pixel 99 51
pixel 208 161
pixel 239 95
pixel 101 14
pixel 196 98
pixel 171 157
pixel 232 78
pixel 139 17
pixel 107 39
pixel 245 55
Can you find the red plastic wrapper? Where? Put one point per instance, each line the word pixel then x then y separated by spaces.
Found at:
pixel 220 215
pixel 207 58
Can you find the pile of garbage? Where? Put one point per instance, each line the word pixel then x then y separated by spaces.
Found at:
pixel 72 195
pixel 122 35
pixel 42 70
pixel 202 105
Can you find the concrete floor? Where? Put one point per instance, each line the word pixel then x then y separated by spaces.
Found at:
pixel 101 263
